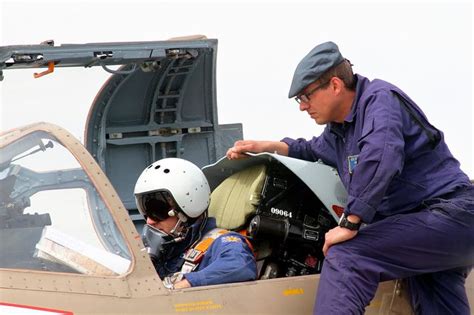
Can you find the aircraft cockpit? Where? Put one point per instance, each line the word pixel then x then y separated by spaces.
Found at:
pixel 53 217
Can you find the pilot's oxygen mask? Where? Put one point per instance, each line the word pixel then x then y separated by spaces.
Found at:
pixel 156 242
pixel 159 206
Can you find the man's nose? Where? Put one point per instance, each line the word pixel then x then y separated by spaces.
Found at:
pixel 150 221
pixel 303 106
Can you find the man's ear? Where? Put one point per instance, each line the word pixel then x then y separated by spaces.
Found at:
pixel 337 85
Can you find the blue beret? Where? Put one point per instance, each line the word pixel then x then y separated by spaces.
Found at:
pixel 320 59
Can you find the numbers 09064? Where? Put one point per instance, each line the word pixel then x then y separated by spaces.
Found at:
pixel 281 212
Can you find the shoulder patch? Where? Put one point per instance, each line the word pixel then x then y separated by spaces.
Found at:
pixel 231 238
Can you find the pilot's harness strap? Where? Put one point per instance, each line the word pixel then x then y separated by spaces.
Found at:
pixel 194 255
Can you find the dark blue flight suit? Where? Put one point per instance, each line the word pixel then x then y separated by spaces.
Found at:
pixel 405 184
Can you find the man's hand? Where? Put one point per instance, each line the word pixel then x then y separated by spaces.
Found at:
pixel 182 284
pixel 239 149
pixel 337 235
pixel 242 146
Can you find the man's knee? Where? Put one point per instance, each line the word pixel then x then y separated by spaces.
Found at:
pixel 340 256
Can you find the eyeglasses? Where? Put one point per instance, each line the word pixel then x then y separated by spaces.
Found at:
pixel 157 205
pixel 305 97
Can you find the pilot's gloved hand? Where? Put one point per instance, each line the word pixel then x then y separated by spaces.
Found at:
pixel 176 281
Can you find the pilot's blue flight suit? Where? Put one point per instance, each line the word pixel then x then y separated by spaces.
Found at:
pixel 229 258
pixel 402 179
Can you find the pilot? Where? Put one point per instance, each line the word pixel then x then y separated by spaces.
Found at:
pixel 185 246
pixel 402 181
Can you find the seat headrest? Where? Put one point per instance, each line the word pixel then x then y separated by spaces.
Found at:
pixel 237 197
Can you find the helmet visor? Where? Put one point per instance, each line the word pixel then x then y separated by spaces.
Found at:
pixel 157 205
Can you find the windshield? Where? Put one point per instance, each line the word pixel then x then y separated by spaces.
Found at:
pixel 51 215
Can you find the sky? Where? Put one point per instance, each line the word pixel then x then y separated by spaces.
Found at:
pixel 423 47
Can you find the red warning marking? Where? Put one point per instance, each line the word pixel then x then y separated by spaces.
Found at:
pixel 31 309
pixel 338 210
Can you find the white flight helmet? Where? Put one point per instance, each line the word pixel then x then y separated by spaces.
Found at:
pixel 182 179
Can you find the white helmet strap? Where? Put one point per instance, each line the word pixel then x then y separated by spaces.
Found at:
pixel 182 218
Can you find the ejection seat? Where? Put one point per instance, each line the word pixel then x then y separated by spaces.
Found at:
pixel 285 220
pixel 234 203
